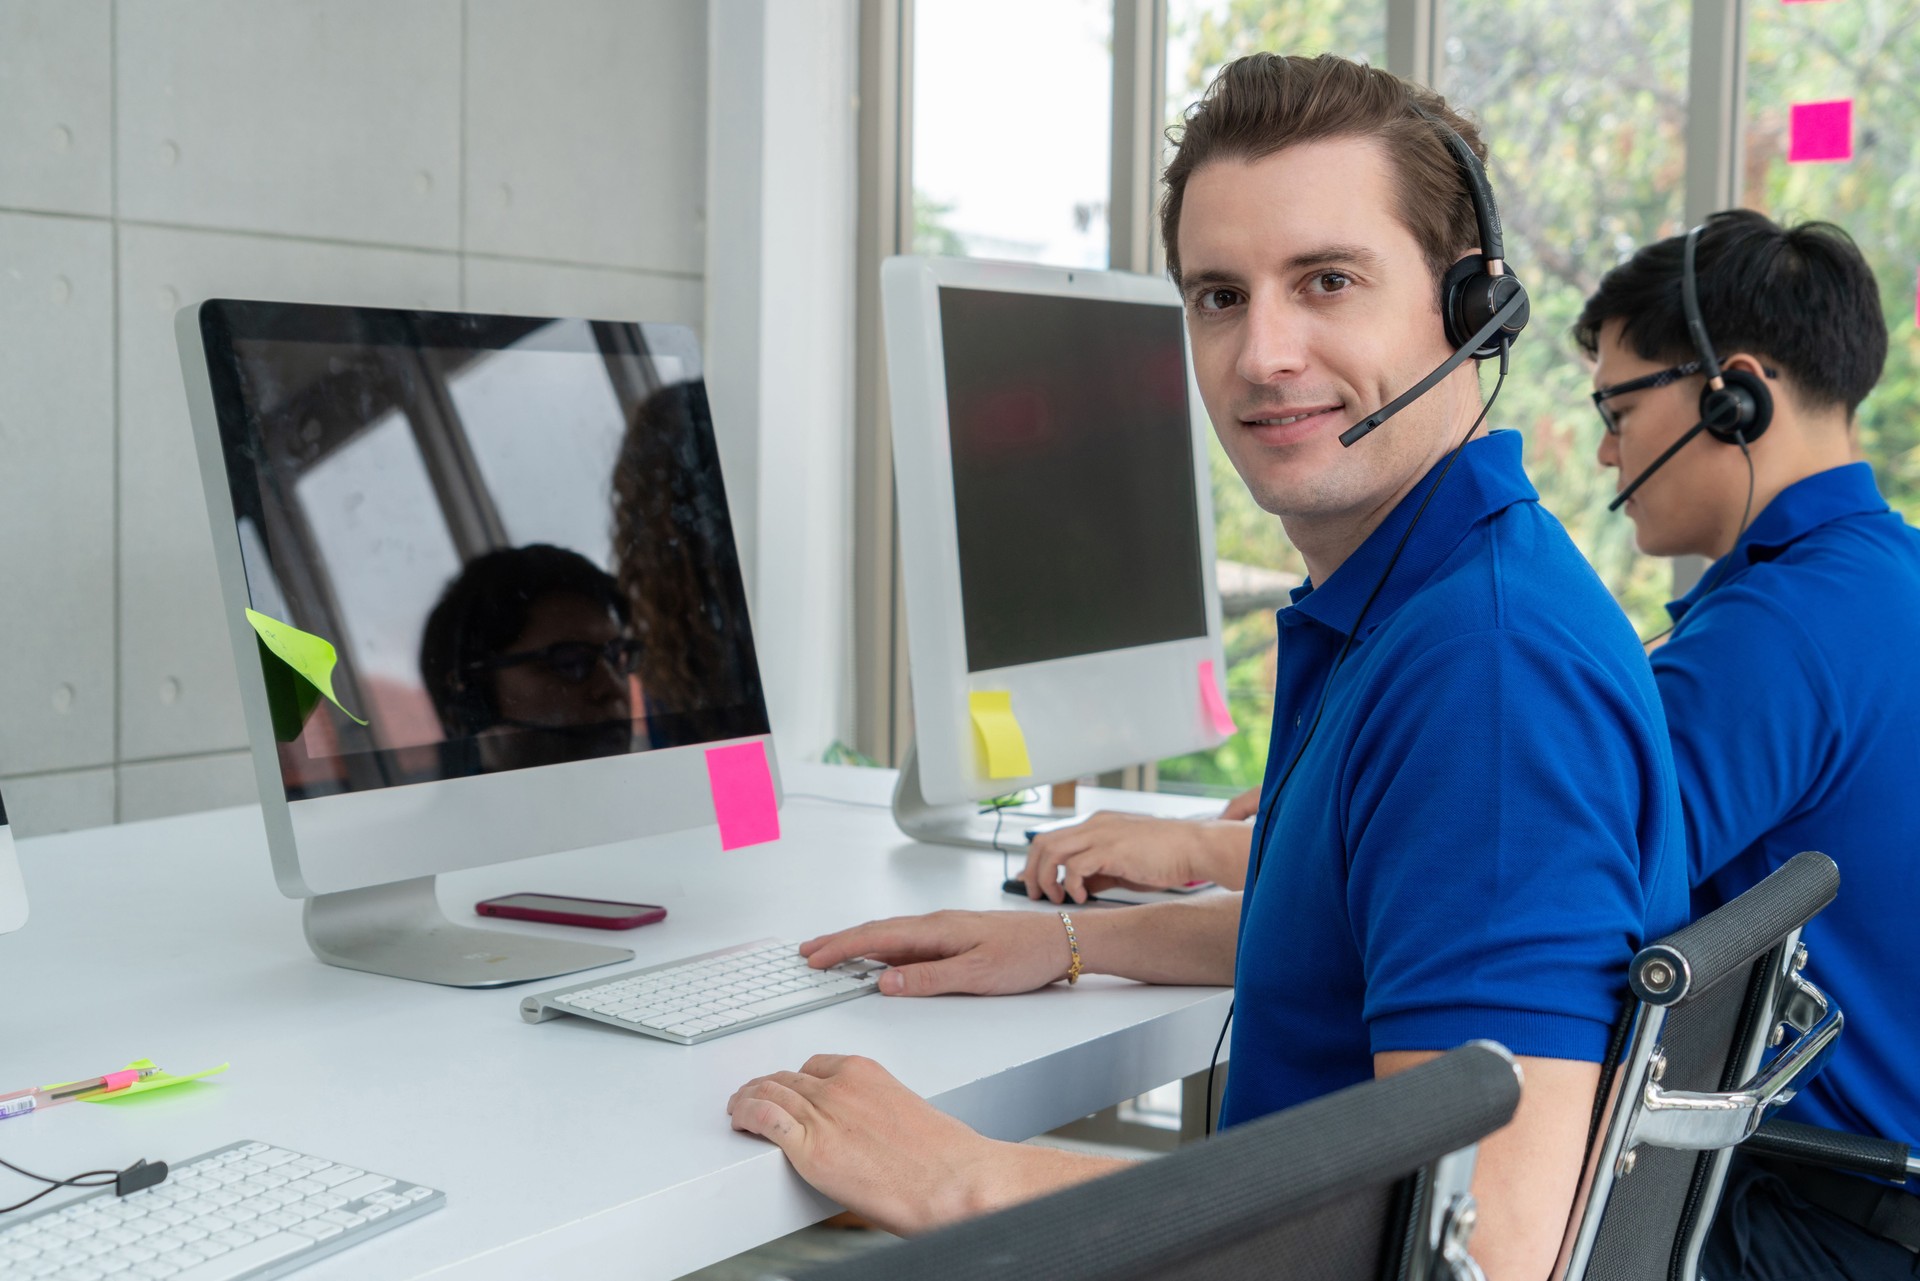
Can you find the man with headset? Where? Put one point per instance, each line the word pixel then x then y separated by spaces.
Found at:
pixel 1729 366
pixel 1469 777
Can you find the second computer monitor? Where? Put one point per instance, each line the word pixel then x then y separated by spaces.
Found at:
pixel 1056 523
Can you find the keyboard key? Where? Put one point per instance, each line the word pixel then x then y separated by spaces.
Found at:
pixel 246 1258
pixel 365 1185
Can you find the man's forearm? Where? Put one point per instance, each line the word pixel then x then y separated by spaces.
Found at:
pixel 1017 1172
pixel 1163 943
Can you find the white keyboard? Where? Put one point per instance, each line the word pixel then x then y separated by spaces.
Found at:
pixel 702 997
pixel 245 1210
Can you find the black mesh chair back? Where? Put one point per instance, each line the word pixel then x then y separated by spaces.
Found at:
pixel 1707 1002
pixel 1368 1184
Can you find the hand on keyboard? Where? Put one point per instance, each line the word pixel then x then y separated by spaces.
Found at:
pixel 985 953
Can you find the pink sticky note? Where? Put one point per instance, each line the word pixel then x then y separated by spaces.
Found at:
pixel 1217 714
pixel 743 794
pixel 1821 131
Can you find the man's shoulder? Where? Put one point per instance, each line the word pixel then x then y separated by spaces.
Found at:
pixel 1519 574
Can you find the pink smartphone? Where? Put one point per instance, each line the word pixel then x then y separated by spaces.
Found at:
pixel 559 909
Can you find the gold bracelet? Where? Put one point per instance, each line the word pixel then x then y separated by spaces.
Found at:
pixel 1073 946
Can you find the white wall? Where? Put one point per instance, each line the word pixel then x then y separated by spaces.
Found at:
pixel 544 156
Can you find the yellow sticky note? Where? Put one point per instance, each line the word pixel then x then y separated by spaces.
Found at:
pixel 998 733
pixel 312 658
pixel 147 1085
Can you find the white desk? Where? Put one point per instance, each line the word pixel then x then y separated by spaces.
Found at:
pixel 567 1149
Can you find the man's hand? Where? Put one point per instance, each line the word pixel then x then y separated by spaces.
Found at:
pixel 1135 852
pixel 984 953
pixel 1244 806
pixel 867 1141
pixel 876 1147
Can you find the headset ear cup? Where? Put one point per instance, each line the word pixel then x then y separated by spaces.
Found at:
pixel 1741 410
pixel 1469 298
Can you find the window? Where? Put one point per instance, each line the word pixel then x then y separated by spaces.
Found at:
pixel 1584 109
pixel 1012 129
pixel 1830 106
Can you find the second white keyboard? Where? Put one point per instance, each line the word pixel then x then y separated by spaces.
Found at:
pixel 706 996
pixel 240 1213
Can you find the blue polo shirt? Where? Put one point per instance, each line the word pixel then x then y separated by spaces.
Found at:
pixel 1484 829
pixel 1792 688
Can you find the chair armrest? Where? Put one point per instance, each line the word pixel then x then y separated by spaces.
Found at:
pixel 1835 1149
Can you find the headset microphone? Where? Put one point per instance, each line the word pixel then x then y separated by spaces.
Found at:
pixel 1471 348
pixel 1621 497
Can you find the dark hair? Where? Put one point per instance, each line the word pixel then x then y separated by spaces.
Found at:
pixel 1265 102
pixel 481 613
pixel 1801 298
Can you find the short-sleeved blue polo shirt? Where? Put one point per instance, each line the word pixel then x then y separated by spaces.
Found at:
pixel 1792 689
pixel 1484 828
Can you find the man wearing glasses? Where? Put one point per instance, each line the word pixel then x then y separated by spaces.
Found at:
pixel 1788 673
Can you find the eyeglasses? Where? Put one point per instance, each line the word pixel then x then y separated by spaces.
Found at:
pixel 571 661
pixel 1645 383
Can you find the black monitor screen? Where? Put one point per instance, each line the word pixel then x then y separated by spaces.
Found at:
pixel 1073 482
pixel 513 532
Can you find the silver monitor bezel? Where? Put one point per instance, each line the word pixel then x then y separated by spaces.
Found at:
pixel 328 844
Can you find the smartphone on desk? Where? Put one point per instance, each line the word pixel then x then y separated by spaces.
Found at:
pixel 559 909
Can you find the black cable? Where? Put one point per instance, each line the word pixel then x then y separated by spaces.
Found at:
pixel 1326 687
pixel 89 1179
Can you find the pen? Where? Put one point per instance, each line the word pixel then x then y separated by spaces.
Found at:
pixel 21 1102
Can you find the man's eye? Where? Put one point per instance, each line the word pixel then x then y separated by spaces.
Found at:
pixel 1332 282
pixel 1216 299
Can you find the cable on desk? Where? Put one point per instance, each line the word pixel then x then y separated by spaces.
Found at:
pixel 134 1178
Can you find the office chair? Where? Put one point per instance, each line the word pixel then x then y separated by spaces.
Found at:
pixel 1707 1002
pixel 1364 1184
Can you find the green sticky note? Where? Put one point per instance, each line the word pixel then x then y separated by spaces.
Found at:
pixel 285 651
pixel 147 1085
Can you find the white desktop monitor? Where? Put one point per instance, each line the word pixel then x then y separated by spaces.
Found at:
pixel 514 533
pixel 13 890
pixel 1056 526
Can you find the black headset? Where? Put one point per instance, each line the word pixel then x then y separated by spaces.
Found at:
pixel 1736 405
pixel 1483 305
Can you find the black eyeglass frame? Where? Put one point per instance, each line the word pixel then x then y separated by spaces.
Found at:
pixel 1645 382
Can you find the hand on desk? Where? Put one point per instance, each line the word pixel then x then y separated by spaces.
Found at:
pixel 876 1147
pixel 983 953
pixel 1137 852
pixel 870 1143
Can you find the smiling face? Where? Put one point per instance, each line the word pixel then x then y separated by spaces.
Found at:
pixel 1310 306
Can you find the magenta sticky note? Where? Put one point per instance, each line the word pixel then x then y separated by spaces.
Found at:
pixel 1821 131
pixel 743 794
pixel 1210 699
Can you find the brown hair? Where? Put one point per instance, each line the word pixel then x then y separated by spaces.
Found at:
pixel 1265 102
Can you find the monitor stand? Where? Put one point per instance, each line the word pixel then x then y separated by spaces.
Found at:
pixel 399 930
pixel 963 824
